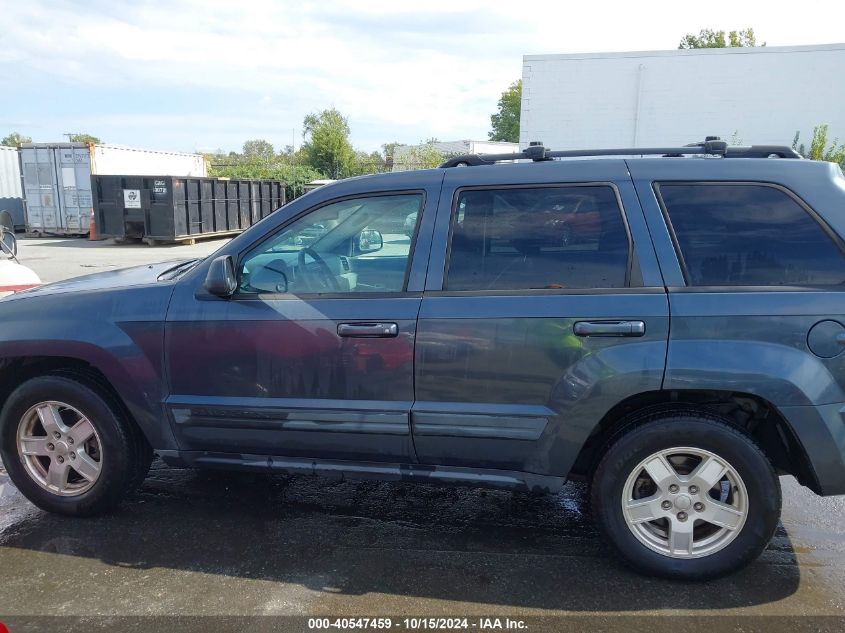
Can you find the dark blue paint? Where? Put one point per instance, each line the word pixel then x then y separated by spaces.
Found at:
pixel 494 389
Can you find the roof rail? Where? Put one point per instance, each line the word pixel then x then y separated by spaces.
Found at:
pixel 711 146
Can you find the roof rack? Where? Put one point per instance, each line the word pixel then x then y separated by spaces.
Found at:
pixel 711 146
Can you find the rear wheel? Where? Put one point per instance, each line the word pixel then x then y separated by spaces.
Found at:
pixel 68 448
pixel 686 495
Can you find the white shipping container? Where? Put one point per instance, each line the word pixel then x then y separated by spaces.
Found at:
pixel 11 198
pixel 760 95
pixel 57 179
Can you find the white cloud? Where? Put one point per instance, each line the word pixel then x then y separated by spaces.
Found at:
pixel 400 71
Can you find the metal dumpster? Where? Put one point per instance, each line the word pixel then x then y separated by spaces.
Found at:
pixel 57 179
pixel 171 209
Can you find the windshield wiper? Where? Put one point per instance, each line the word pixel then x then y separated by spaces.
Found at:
pixel 180 269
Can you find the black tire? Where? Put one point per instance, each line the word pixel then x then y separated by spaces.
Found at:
pixel 700 430
pixel 143 451
pixel 125 458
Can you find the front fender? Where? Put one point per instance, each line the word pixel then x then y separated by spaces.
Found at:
pixel 119 332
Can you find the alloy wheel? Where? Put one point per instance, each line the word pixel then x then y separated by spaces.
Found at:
pixel 60 448
pixel 685 502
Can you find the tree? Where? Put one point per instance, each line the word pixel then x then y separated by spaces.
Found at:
pixel 234 165
pixel 327 148
pixel 258 148
pixel 422 156
pixel 13 139
pixel 819 149
pixel 505 122
pixel 708 38
pixel 83 138
pixel 372 163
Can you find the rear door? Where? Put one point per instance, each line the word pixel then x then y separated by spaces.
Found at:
pixel 549 311
pixel 41 191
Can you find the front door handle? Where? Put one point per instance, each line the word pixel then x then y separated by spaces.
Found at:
pixel 609 328
pixel 368 330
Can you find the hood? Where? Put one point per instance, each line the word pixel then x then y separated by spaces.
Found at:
pixel 122 278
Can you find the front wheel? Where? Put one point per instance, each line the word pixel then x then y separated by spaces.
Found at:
pixel 686 495
pixel 68 448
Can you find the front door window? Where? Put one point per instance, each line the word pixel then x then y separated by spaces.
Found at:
pixel 360 245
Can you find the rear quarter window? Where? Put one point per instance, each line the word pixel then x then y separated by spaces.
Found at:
pixel 749 235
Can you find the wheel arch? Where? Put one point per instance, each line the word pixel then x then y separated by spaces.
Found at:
pixel 16 370
pixel 752 414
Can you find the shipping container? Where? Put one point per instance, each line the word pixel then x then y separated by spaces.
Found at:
pixel 761 94
pixel 57 179
pixel 170 209
pixel 11 199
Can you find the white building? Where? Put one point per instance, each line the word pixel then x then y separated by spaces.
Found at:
pixel 747 96
pixel 403 155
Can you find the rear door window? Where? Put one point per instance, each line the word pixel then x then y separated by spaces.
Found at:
pixel 749 235
pixel 531 238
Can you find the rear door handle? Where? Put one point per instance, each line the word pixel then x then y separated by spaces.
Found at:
pixel 609 328
pixel 368 330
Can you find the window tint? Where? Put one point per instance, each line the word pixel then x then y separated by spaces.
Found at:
pixel 530 238
pixel 358 245
pixel 749 235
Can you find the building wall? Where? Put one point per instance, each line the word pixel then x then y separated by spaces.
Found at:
pixel 749 96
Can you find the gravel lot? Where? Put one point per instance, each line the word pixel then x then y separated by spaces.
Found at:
pixel 209 543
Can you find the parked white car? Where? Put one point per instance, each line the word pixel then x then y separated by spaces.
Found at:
pixel 14 276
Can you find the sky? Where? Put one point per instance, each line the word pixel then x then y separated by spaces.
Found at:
pixel 201 75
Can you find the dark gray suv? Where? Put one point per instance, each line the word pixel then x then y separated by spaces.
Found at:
pixel 668 327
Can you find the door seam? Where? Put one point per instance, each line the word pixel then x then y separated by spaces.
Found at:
pixel 414 457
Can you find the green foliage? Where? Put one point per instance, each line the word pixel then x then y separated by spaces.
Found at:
pixel 326 153
pixel 83 138
pixel 372 163
pixel 327 147
pixel 13 139
pixel 505 121
pixel 819 149
pixel 258 148
pixel 422 156
pixel 282 168
pixel 708 38
pixel 388 151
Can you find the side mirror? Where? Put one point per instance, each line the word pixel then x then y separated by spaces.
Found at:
pixel 221 280
pixel 370 241
pixel 9 243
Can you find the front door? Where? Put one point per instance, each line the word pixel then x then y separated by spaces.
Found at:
pixel 313 356
pixel 549 312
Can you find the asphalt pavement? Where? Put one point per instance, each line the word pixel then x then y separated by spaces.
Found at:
pixel 55 259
